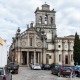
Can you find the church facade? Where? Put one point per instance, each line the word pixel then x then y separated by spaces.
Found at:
pixel 40 44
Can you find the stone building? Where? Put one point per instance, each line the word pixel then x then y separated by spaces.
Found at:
pixel 64 50
pixel 40 44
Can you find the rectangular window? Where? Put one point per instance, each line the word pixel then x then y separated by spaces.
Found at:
pixel 30 41
pixel 49 57
pixel 59 46
pixel 71 46
pixel 60 58
pixel 65 46
pixel 1 71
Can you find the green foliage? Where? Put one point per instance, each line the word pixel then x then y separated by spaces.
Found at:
pixel 76 53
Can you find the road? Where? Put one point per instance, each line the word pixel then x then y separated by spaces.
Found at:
pixel 25 73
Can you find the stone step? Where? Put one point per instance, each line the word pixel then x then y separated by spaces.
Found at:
pixel 23 65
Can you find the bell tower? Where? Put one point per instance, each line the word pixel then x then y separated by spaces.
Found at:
pixel 45 19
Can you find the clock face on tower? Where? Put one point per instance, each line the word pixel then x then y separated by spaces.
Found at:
pixel 39 44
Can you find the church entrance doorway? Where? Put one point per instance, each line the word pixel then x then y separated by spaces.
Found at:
pixel 24 58
pixel 31 57
pixel 66 59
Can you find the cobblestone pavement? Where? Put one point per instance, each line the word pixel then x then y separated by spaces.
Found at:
pixel 25 73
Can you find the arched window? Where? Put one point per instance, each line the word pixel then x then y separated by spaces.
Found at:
pixel 46 19
pixel 51 20
pixel 40 19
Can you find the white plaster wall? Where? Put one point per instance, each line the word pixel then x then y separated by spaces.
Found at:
pixel 3 55
pixel 65 44
pixel 59 53
pixel 0 54
pixel 45 8
pixel 50 46
pixel 49 36
pixel 59 43
pixel 52 58
pixel 71 46
pixel 44 57
pixel 18 57
pixel 72 62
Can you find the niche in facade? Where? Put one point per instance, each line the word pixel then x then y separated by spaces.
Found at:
pixel 40 19
pixel 46 19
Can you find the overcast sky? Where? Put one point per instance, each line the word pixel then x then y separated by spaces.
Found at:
pixel 18 13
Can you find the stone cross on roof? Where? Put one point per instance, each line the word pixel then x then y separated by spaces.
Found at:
pixel 45 2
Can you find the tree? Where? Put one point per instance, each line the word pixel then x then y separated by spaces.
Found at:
pixel 76 53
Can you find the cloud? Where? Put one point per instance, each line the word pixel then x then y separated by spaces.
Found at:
pixel 67 17
pixel 18 13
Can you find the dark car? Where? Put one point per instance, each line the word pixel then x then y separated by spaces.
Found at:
pixel 62 70
pixel 65 70
pixel 46 66
pixel 13 67
pixel 5 74
pixel 55 68
pixel 77 71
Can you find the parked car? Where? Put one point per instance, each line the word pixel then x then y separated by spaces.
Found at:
pixel 5 74
pixel 36 66
pixel 30 65
pixel 62 70
pixel 65 70
pixel 13 67
pixel 46 66
pixel 77 71
pixel 55 68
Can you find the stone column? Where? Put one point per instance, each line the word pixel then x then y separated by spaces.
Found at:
pixel 34 57
pixel 43 18
pixel 20 58
pixel 63 58
pixel 27 58
pixel 49 20
pixel 41 58
pixel 38 58
pixel 28 39
pixel 37 19
pixel 69 58
pixel 56 57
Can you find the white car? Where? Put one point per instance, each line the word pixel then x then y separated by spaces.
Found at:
pixel 36 66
